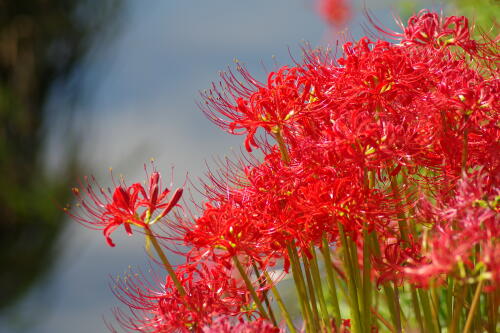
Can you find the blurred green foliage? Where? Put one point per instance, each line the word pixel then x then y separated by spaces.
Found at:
pixel 482 13
pixel 41 42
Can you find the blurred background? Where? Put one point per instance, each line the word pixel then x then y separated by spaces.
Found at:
pixel 90 84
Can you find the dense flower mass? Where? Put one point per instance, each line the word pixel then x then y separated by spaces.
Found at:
pixel 383 158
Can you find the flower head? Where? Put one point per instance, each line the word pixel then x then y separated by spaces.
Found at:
pixel 107 209
pixel 243 107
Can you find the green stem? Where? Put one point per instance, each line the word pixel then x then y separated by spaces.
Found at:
pixel 300 287
pixel 165 261
pixel 424 299
pixel 383 321
pixel 449 301
pixel 457 309
pixel 351 282
pixel 310 288
pixel 416 308
pixel 281 305
pixel 357 276
pixel 266 299
pixel 367 291
pixel 282 146
pixel 398 305
pixel 250 287
pixel 475 302
pixel 435 307
pixel 325 250
pixel 319 290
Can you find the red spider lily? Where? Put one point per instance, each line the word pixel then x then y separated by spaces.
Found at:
pixel 157 307
pixel 428 28
pixel 228 230
pixel 243 107
pixel 100 210
pixel 127 205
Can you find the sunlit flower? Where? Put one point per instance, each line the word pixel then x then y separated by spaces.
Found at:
pixel 107 209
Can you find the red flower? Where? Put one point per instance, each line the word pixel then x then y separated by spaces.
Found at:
pixel 245 106
pixel 128 205
pixel 428 28
pixel 156 306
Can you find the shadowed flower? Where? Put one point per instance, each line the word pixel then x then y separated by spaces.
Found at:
pixel 156 306
pixel 224 325
pixel 468 220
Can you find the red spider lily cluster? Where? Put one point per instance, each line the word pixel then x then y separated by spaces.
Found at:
pixel 378 193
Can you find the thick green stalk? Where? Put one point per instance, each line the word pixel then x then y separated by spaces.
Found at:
pixel 367 283
pixel 475 302
pixel 435 307
pixel 416 308
pixel 457 308
pixel 300 287
pixel 266 299
pixel 426 307
pixel 282 146
pixel 314 323
pixel 310 288
pixel 325 250
pixel 281 305
pixel 250 287
pixel 319 291
pixel 449 301
pixel 351 282
pixel 357 275
pixel 493 306
pixel 383 320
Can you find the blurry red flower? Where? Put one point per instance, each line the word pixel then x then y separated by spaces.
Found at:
pixel 335 12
